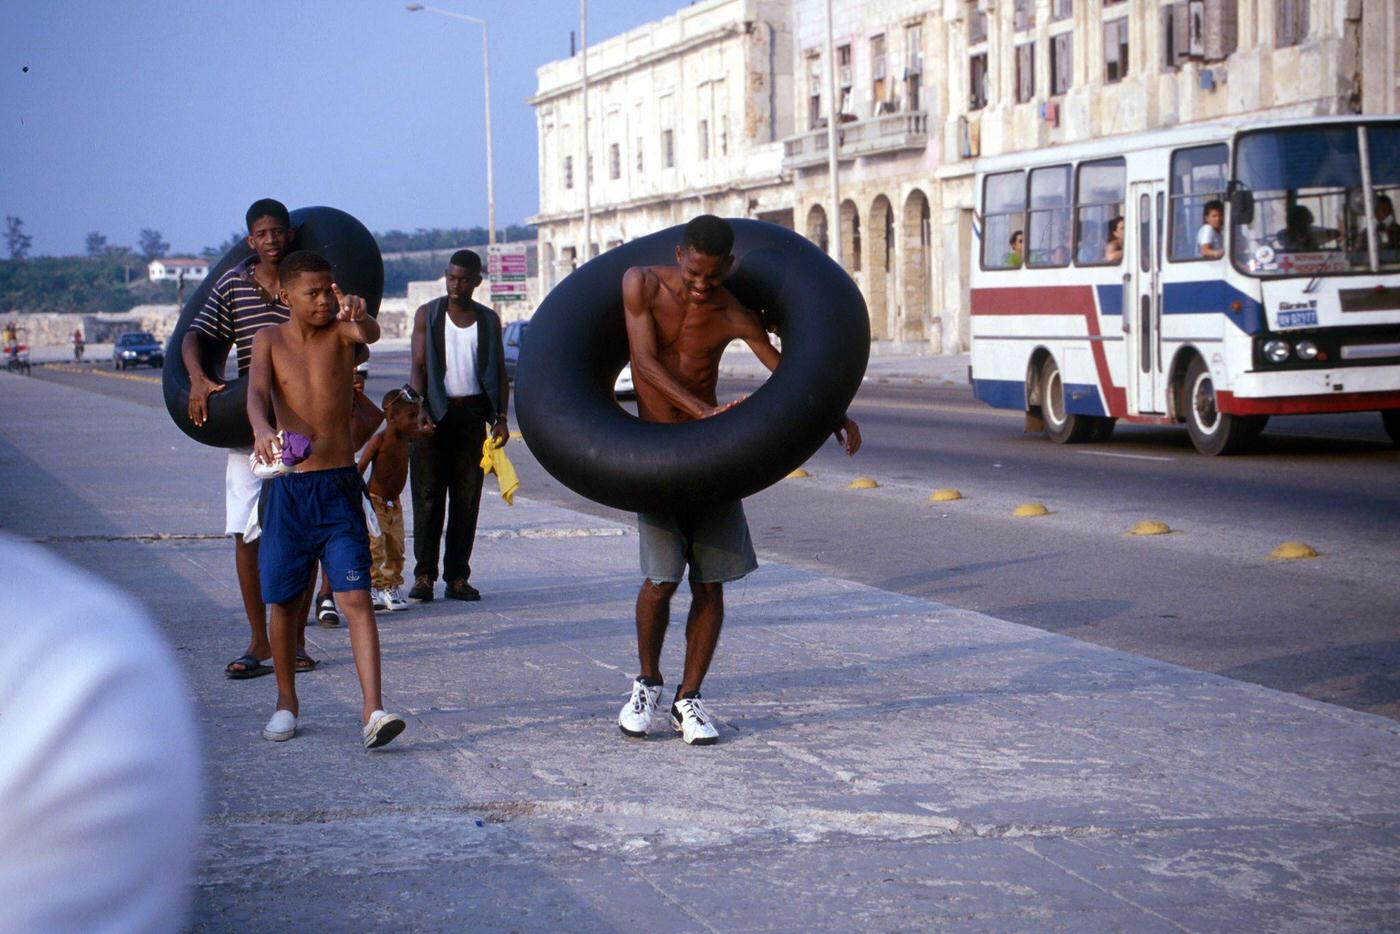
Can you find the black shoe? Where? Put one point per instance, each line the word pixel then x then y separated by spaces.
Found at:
pixel 422 591
pixel 459 589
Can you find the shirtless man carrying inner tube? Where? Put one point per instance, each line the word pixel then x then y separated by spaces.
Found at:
pixel 679 320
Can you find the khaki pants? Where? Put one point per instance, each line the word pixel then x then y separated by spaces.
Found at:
pixel 386 549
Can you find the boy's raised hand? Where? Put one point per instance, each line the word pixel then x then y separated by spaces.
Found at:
pixel 352 307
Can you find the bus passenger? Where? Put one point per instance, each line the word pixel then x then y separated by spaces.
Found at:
pixel 1209 243
pixel 1113 249
pixel 1013 257
pixel 1300 234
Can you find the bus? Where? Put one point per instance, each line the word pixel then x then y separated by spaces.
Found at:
pixel 1214 275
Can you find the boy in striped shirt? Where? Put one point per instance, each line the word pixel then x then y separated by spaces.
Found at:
pixel 243 302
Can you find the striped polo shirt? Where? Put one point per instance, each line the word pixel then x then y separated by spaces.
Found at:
pixel 238 308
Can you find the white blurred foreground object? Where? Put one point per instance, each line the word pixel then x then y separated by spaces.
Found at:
pixel 99 777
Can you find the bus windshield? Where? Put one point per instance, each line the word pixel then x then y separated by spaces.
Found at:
pixel 1309 214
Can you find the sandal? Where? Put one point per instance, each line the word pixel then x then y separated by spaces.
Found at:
pixel 305 662
pixel 251 668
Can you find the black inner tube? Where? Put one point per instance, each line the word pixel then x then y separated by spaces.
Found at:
pixel 359 270
pixel 577 344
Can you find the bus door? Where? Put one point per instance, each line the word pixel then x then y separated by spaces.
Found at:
pixel 1142 305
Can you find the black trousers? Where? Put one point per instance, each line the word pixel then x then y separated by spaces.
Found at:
pixel 446 473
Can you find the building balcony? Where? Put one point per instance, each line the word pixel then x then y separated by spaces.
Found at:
pixel 887 133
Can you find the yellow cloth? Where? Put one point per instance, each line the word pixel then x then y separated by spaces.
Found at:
pixel 494 460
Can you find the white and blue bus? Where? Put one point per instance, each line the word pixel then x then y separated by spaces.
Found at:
pixel 1214 275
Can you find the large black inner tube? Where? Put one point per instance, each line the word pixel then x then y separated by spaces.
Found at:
pixel 577 344
pixel 359 270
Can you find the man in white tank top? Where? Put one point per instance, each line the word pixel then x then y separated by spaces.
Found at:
pixel 459 370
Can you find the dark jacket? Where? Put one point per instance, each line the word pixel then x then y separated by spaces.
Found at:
pixel 490 354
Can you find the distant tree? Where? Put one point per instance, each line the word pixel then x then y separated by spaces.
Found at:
pixel 217 252
pixel 152 246
pixel 96 244
pixel 16 239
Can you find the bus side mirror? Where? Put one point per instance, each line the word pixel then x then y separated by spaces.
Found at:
pixel 1242 206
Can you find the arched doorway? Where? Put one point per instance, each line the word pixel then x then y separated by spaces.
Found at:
pixel 850 236
pixel 917 267
pixel 817 228
pixel 881 273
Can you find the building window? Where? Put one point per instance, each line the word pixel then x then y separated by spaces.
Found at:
pixel 1115 50
pixel 1061 63
pixel 977 87
pixel 1290 22
pixel 913 66
pixel 568 171
pixel 879 89
pixel 1061 9
pixel 1025 72
pixel 814 91
pixel 1003 220
pixel 704 140
pixel 843 78
pixel 1024 17
pixel 724 135
pixel 1098 220
pixel 668 149
pixel 976 26
pixel 1047 225
pixel 639 155
pixel 614 161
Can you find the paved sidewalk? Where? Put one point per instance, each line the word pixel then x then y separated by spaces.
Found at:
pixel 887 763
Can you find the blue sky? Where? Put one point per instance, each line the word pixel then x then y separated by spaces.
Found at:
pixel 177 115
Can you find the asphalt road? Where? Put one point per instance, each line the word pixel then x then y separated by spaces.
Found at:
pixel 1207 595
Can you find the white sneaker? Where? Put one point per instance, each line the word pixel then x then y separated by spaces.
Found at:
pixel 690 719
pixel 394 598
pixel 381 729
pixel 282 726
pixel 635 718
pixel 377 598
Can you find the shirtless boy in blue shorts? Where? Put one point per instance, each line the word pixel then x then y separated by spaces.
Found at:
pixel 301 373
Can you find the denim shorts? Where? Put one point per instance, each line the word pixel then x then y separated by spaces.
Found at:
pixel 713 542
pixel 310 517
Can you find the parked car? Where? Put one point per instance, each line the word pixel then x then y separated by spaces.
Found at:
pixel 515 332
pixel 136 347
pixel 512 335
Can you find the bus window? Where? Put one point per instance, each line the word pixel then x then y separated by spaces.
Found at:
pixel 1309 201
pixel 1098 222
pixel 1047 233
pixel 1004 220
pixel 1197 179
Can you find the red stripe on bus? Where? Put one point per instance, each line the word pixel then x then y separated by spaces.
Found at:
pixel 1231 404
pixel 1057 300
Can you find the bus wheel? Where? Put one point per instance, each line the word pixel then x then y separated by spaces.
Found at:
pixel 1212 431
pixel 1060 425
pixel 1390 418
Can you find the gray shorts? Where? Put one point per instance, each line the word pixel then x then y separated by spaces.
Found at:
pixel 714 542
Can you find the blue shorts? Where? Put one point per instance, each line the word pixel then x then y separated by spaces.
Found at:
pixel 310 517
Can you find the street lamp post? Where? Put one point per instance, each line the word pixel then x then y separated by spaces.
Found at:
pixel 587 169
pixel 486 86
pixel 832 160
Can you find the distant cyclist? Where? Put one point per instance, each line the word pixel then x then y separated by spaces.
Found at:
pixel 78 344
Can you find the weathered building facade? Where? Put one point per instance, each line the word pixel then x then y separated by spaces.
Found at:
pixel 685 116
pixel 923 88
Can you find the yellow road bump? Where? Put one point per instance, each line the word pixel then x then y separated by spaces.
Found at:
pixel 862 483
pixel 1292 551
pixel 1149 527
pixel 1027 510
pixel 944 496
pixel 798 474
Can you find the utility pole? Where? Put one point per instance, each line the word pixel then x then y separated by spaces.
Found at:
pixel 834 224
pixel 587 174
